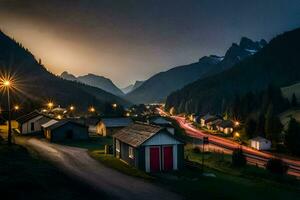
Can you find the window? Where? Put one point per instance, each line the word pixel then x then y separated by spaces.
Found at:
pixel 32 126
pixel 131 152
pixel 117 146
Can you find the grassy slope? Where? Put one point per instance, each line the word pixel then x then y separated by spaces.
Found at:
pixel 25 177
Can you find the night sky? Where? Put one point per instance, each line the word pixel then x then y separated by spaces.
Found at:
pixel 130 40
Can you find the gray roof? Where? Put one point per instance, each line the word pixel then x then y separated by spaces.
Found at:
pixel 63 122
pixel 226 124
pixel 30 116
pixel 117 122
pixel 259 139
pixel 137 133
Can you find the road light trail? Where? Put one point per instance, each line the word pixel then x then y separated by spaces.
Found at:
pixel 254 156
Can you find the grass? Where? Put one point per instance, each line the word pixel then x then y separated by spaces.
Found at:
pixel 114 163
pixel 94 143
pixel 25 177
pixel 248 182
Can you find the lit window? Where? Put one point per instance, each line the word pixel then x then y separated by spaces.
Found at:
pixel 131 152
pixel 117 146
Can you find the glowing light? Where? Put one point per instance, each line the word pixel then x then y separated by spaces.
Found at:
pixel 6 83
pixel 16 107
pixel 237 134
pixel 50 105
pixel 72 108
pixel 127 114
pixel 236 123
pixel 92 109
pixel 59 117
pixel 114 105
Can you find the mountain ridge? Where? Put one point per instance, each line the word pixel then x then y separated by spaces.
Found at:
pixel 160 85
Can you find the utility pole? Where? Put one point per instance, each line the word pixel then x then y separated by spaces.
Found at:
pixel 204 142
pixel 9 137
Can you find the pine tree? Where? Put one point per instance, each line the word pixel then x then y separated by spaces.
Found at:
pixel 292 137
pixel 250 127
pixel 273 126
pixel 294 102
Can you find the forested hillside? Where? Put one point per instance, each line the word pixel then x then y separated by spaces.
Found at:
pixel 276 65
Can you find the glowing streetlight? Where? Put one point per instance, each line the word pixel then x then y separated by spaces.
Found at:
pixel 59 117
pixel 16 107
pixel 92 109
pixel 236 123
pixel 50 105
pixel 72 108
pixel 7 84
pixel 127 114
pixel 114 105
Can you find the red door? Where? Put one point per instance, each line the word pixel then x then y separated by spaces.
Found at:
pixel 154 159
pixel 168 158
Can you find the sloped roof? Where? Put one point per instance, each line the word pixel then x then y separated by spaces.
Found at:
pixel 137 133
pixel 30 116
pixel 160 121
pixel 260 139
pixel 92 120
pixel 117 122
pixel 226 124
pixel 49 123
pixel 62 123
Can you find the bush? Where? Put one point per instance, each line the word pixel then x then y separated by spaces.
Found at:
pixel 276 166
pixel 238 158
pixel 196 150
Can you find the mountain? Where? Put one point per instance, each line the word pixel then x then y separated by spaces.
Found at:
pixel 67 76
pixel 159 86
pixel 34 85
pixel 277 64
pixel 95 81
pixel 132 87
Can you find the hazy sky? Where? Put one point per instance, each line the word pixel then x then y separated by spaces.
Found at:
pixel 128 40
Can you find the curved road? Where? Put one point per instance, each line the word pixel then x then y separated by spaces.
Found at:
pixel 253 156
pixel 76 162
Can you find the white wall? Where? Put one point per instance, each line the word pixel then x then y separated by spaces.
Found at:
pixel 37 121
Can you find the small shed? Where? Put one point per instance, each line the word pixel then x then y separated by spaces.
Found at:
pixel 66 130
pixel 31 122
pixel 149 147
pixel 109 126
pixel 260 143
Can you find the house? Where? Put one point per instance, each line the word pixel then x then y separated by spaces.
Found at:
pixel 109 126
pixel 260 143
pixel 226 126
pixel 95 125
pixel 207 118
pixel 148 147
pixel 212 125
pixel 160 121
pixel 65 130
pixel 31 123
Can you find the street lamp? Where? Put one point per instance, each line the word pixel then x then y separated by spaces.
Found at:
pixel 50 105
pixel 72 108
pixel 7 84
pixel 16 107
pixel 114 105
pixel 92 109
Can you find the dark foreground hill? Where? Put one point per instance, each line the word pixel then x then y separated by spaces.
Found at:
pixel 277 64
